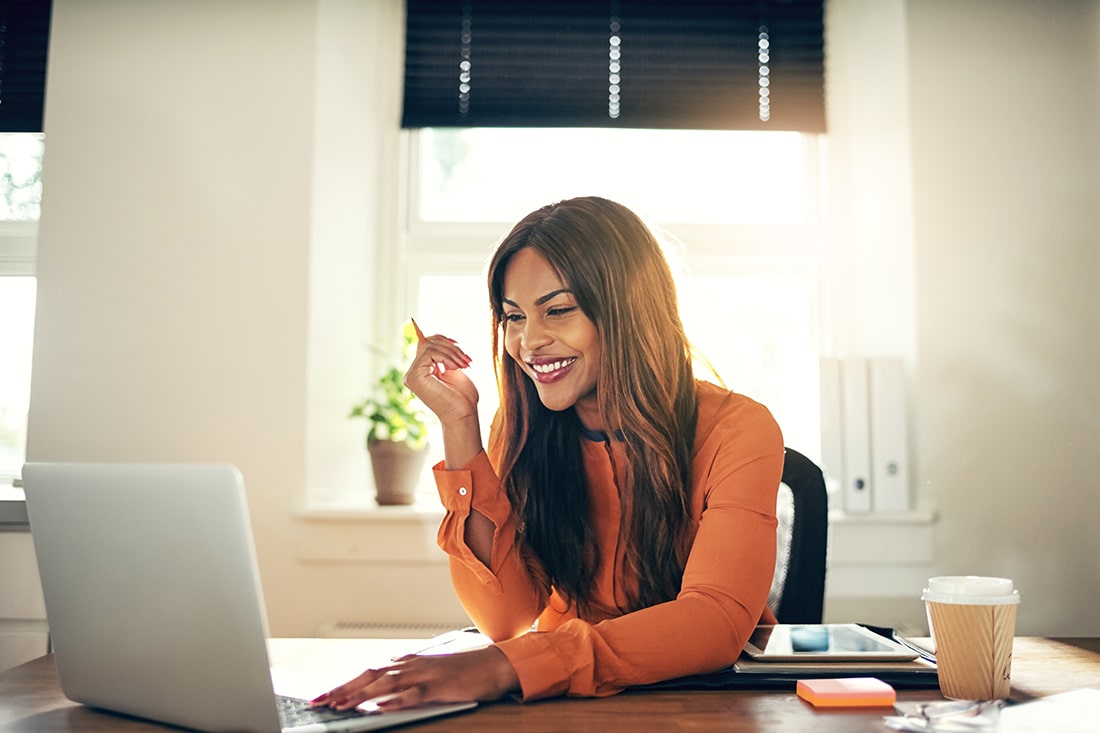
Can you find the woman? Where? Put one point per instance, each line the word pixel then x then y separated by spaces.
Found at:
pixel 623 508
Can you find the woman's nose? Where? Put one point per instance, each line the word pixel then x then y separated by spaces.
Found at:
pixel 535 335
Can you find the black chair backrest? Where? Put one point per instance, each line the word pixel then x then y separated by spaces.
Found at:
pixel 803 593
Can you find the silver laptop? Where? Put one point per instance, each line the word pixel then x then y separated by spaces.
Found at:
pixel 153 597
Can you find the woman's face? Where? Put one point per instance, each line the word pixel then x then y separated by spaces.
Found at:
pixel 552 340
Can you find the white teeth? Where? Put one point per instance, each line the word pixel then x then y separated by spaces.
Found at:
pixel 548 368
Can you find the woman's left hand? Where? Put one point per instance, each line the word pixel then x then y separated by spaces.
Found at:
pixel 479 675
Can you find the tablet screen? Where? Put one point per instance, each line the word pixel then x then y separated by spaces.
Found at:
pixel 822 642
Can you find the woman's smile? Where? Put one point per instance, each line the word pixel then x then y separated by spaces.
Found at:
pixel 547 333
pixel 547 370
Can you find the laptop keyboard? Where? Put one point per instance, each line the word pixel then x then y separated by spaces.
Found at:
pixel 294 712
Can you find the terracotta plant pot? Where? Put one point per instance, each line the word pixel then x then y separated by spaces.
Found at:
pixel 396 468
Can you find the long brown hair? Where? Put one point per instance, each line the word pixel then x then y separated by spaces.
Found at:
pixel 645 395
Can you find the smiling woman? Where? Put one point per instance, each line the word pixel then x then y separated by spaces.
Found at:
pixel 621 507
pixel 737 211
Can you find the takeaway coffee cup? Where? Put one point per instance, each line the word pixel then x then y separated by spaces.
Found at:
pixel 972 620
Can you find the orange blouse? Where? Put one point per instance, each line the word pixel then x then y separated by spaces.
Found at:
pixel 736 468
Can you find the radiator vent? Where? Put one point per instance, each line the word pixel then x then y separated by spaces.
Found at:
pixel 388 629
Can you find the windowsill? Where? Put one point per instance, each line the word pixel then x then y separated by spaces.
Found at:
pixel 426 509
pixel 348 529
pixel 13 510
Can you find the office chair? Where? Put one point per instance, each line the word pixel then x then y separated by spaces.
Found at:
pixel 798 587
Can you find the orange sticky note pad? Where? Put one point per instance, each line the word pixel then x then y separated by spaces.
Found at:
pixel 846 692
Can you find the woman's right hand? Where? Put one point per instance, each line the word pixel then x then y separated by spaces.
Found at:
pixel 437 377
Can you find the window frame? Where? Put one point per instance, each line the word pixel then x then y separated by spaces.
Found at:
pixel 18 247
pixel 758 240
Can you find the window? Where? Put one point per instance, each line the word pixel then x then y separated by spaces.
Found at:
pixel 16 334
pixel 20 179
pixel 20 176
pixel 681 176
pixel 740 209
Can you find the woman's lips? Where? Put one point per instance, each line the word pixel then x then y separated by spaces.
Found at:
pixel 545 371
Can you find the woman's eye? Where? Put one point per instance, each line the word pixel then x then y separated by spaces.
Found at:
pixel 513 317
pixel 561 310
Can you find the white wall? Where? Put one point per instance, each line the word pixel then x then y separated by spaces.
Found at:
pixel 175 266
pixel 869 180
pixel 206 225
pixel 1006 180
pixel 173 245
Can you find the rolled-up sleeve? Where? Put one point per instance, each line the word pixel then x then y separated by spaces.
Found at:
pixel 504 598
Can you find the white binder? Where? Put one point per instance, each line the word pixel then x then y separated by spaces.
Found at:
pixel 889 436
pixel 855 424
pixel 832 433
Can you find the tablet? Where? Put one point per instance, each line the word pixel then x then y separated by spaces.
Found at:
pixel 823 643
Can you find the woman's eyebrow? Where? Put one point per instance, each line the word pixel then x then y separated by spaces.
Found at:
pixel 552 295
pixel 541 300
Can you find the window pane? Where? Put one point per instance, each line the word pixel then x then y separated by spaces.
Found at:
pixel 759 333
pixel 672 176
pixel 20 176
pixel 458 306
pixel 16 337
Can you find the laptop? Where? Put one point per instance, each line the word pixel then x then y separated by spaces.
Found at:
pixel 153 598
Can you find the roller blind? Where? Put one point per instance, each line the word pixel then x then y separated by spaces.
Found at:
pixel 674 64
pixel 24 39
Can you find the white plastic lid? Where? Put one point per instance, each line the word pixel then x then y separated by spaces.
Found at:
pixel 972 589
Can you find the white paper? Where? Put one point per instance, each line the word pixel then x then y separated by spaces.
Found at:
pixel 1067 712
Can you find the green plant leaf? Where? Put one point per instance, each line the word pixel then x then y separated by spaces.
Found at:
pixel 396 414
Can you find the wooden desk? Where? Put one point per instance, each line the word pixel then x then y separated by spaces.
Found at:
pixel 30 700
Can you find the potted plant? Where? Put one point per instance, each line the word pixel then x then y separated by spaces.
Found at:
pixel 397 431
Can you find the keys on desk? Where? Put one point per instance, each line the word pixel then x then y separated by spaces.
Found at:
pixel 951 716
pixel 294 712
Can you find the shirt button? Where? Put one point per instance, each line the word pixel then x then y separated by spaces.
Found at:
pixel 462 491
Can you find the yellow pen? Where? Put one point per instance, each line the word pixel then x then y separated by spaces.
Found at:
pixel 419 333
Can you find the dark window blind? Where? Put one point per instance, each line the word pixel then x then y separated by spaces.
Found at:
pixel 680 64
pixel 24 40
